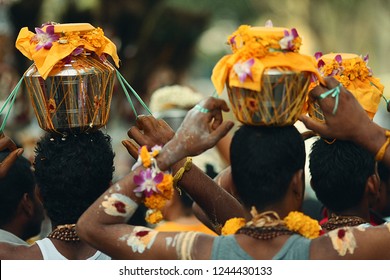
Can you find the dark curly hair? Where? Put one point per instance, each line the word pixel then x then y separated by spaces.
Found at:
pixel 72 172
pixel 263 162
pixel 18 181
pixel 339 173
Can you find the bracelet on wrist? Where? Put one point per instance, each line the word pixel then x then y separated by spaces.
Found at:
pixel 381 153
pixel 179 174
pixel 153 185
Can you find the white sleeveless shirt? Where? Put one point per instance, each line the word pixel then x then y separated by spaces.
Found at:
pixel 50 252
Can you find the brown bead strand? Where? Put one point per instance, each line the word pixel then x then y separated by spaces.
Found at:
pixel 65 233
pixel 335 222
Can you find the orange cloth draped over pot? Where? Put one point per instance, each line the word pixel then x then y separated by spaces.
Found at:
pixel 352 71
pixel 70 37
pixel 264 48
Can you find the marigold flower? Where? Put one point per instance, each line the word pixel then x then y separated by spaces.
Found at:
pixel 155 201
pixel 304 225
pixel 154 217
pixel 232 226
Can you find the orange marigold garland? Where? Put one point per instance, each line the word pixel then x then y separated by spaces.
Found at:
pixel 155 186
pixel 295 221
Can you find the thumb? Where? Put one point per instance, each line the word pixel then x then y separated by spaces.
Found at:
pixel 311 124
pixel 131 148
pixel 8 161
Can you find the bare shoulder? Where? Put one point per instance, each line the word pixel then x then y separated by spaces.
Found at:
pixel 10 251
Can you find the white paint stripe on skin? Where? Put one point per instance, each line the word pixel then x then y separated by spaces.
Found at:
pixel 168 241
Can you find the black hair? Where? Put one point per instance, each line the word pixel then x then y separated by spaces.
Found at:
pixel 339 173
pixel 263 162
pixel 72 172
pixel 18 181
pixel 383 171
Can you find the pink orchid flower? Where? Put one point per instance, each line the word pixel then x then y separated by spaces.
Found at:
pixel 286 43
pixel 45 39
pixel 318 55
pixel 243 70
pixel 147 182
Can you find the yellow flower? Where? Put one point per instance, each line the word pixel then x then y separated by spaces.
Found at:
pixel 155 201
pixel 232 225
pixel 166 186
pixel 304 225
pixel 145 156
pixel 154 217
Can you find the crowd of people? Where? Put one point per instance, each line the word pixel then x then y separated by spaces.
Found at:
pixel 262 190
pixel 200 187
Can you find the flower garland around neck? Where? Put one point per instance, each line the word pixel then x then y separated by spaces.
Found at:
pixel 155 186
pixel 344 70
pixel 294 222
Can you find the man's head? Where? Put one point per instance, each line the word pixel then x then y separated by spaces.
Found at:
pixel 72 172
pixel 264 161
pixel 21 211
pixel 340 173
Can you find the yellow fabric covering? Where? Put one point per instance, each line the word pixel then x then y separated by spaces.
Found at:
pixel 72 36
pixel 356 77
pixel 263 44
pixel 173 226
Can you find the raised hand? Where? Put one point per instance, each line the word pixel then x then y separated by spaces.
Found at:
pixel 348 122
pixel 7 143
pixel 147 131
pixel 201 129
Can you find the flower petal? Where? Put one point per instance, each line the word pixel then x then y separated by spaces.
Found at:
pixel 269 23
pixel 338 58
pixel 318 55
pixel 294 33
pixel 158 178
pixel 138 179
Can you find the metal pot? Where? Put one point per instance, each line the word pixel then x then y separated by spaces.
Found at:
pixel 279 103
pixel 75 97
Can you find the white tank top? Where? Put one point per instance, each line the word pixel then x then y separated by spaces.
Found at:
pixel 50 252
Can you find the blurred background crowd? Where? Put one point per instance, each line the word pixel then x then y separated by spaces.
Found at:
pixel 168 42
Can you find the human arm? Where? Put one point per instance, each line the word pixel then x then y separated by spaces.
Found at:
pixel 350 122
pixel 353 243
pixel 104 226
pixel 208 195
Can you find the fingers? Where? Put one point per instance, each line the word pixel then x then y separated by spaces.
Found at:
pixel 221 131
pixel 308 134
pixel 8 161
pixel 132 148
pixel 135 134
pixel 331 82
pixel 316 126
pixel 7 143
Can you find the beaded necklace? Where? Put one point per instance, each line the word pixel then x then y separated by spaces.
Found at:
pixel 65 233
pixel 268 225
pixel 342 221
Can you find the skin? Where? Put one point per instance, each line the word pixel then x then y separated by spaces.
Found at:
pixel 104 232
pixel 7 143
